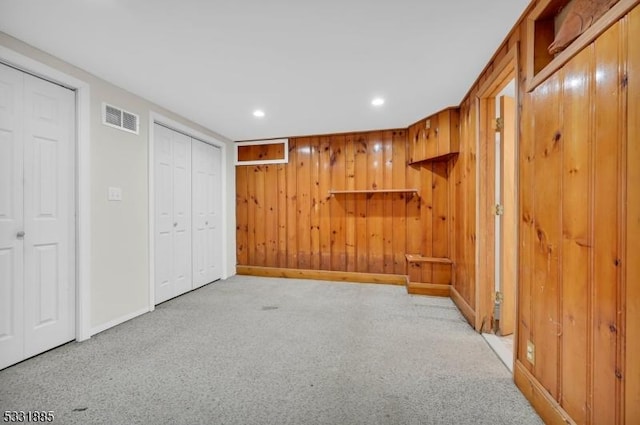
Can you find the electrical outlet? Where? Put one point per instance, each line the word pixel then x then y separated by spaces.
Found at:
pixel 531 352
pixel 427 124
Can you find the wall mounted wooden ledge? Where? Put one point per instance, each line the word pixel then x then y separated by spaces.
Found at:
pixel 346 192
pixel 417 258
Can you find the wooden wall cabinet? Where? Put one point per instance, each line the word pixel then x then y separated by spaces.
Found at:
pixel 434 138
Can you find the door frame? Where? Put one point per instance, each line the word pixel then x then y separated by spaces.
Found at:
pixel 82 178
pixel 157 118
pixel 504 70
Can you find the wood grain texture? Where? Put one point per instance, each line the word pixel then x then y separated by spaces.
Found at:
pixel 632 268
pixel 509 243
pixel 607 258
pixel 341 204
pixel 576 237
pixel 547 230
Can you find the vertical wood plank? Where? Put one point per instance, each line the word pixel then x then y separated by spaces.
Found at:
pixel 362 240
pixel 605 204
pixel 576 241
pixel 315 202
pixel 260 217
pixel 414 227
pixel 527 230
pixel 271 214
pixel 387 202
pixel 375 176
pixel 242 211
pixel 440 228
pixel 292 205
pixel 325 173
pixel 399 143
pixel 350 203
pixel 427 215
pixel 547 198
pixel 251 215
pixel 632 268
pixel 338 211
pixel 282 215
pixel 304 203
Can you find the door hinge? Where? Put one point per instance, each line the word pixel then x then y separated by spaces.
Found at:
pixel 499 209
pixel 499 124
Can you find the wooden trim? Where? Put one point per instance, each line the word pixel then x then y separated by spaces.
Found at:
pixel 462 305
pixel 283 160
pixel 432 289
pixel 549 410
pixel 506 69
pixel 611 17
pixel 502 73
pixel 343 192
pixel 417 258
pixel 336 276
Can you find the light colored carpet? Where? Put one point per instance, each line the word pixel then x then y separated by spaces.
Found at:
pixel 270 351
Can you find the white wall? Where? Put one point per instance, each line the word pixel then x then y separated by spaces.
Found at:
pixel 119 279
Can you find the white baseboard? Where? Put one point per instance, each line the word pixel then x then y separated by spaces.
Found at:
pixel 119 320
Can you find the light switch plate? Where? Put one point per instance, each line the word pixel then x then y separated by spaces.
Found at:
pixel 115 194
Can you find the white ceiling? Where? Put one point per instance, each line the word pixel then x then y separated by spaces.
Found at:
pixel 312 66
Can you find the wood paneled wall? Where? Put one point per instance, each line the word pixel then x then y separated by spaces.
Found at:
pixel 579 230
pixel 286 217
pixel 579 274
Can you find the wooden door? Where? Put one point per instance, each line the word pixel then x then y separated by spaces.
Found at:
pixel 508 219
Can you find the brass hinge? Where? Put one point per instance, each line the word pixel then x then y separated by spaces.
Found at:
pixel 499 209
pixel 499 124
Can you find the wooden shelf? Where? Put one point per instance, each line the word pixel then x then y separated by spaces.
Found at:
pixel 417 258
pixel 443 157
pixel 338 192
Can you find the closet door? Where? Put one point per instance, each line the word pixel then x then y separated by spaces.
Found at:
pixel 173 213
pixel 37 226
pixel 11 217
pixel 206 213
pixel 49 210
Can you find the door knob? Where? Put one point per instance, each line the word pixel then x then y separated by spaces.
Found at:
pixel 20 234
pixel 175 224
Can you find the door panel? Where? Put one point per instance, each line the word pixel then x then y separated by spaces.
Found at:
pixel 182 212
pixel 206 213
pixel 172 161
pixel 37 230
pixel 508 227
pixel 11 217
pixel 49 273
pixel 215 215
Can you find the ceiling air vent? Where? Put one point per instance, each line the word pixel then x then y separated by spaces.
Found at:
pixel 119 118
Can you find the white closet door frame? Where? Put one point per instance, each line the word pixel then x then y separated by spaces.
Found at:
pixel 82 178
pixel 157 118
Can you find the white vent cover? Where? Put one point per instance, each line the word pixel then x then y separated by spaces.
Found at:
pixel 119 118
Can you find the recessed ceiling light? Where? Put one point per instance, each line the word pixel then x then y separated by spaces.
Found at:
pixel 258 113
pixel 378 101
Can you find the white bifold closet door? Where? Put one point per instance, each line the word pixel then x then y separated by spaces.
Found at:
pixel 207 236
pixel 188 231
pixel 172 213
pixel 37 224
